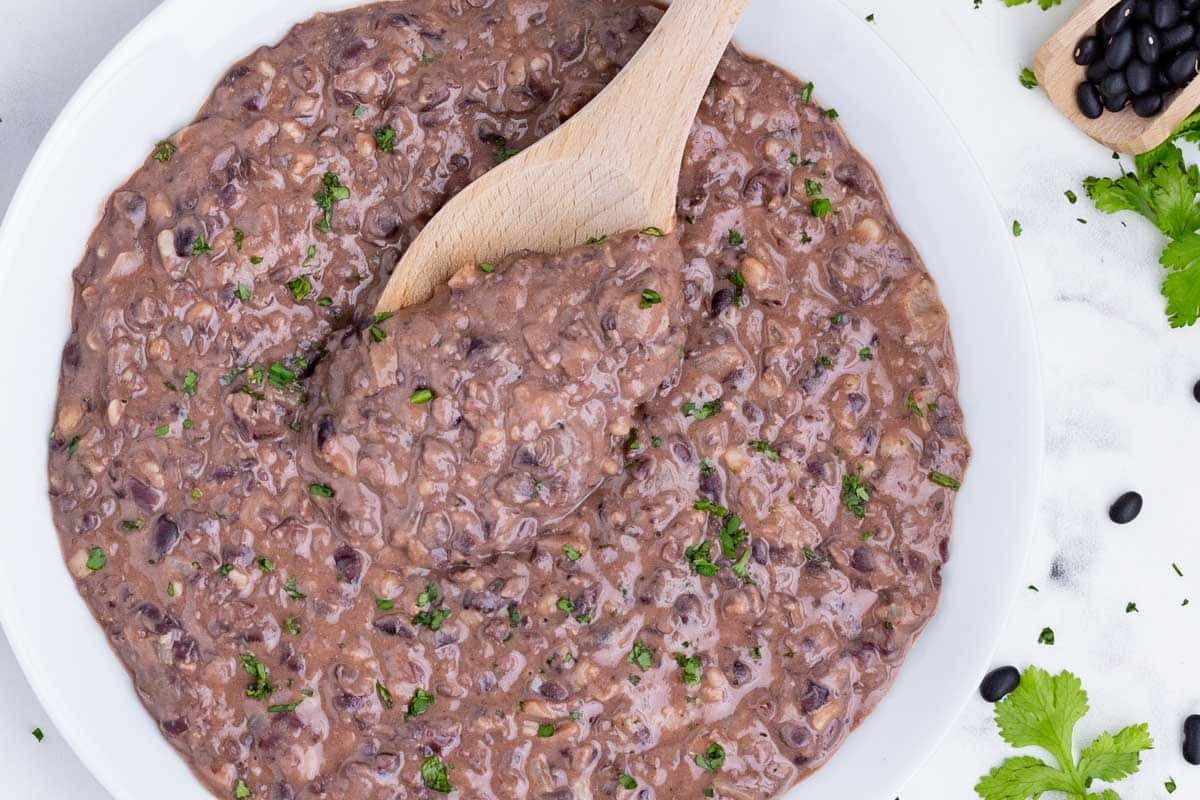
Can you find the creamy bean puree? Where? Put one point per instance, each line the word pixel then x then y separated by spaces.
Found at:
pixel 659 517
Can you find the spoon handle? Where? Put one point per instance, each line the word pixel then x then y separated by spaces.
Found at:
pixel 659 91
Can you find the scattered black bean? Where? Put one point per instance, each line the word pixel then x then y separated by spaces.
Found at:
pixel 1115 18
pixel 1145 41
pixel 1088 50
pixel 1164 14
pixel 1148 105
pixel 1119 50
pixel 1126 508
pixel 1191 739
pixel 1196 391
pixel 1177 37
pixel 998 683
pixel 1088 100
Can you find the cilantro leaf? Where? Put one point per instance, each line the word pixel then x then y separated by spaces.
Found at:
pixel 1182 284
pixel 1021 778
pixel 1112 757
pixel 1042 712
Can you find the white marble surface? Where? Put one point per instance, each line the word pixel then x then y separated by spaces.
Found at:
pixel 1117 381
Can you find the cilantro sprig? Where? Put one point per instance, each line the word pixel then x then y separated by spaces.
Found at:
pixel 1042 712
pixel 1163 188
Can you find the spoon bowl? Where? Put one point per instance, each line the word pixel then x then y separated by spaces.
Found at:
pixel 614 166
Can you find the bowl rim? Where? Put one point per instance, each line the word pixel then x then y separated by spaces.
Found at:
pixel 63 705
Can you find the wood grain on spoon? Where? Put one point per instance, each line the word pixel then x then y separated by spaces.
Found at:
pixel 614 166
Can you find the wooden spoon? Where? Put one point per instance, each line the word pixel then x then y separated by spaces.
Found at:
pixel 1123 131
pixel 614 166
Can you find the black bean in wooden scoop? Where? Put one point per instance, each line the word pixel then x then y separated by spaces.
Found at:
pixel 1191 739
pixel 998 683
pixel 1117 17
pixel 1139 76
pixel 1088 50
pixel 1145 42
pixel 1175 38
pixel 1096 70
pixel 1182 67
pixel 1142 9
pixel 1126 508
pixel 1164 14
pixel 1148 105
pixel 1114 84
pixel 1119 50
pixel 1116 102
pixel 1088 100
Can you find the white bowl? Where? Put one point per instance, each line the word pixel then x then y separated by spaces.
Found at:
pixel 153 82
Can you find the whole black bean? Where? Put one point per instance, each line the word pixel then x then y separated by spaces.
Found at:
pixel 1183 67
pixel 1114 84
pixel 1088 100
pixel 1187 6
pixel 1142 9
pixel 1096 71
pixel 1115 18
pixel 1175 38
pixel 1164 14
pixel 1148 105
pixel 1139 76
pixel 1191 739
pixel 1196 391
pixel 1119 50
pixel 1116 102
pixel 1145 41
pixel 998 683
pixel 1087 51
pixel 1125 508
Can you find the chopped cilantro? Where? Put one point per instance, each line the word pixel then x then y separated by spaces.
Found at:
pixel 821 207
pixel 545 730
pixel 293 589
pixel 200 246
pixel 571 553
pixel 703 410
pixel 649 298
pixel 384 694
pixel 421 396
pixel 700 557
pixel 855 495
pixel 640 655
pixel 96 559
pixel 332 191
pixel 419 703
pixel 735 238
pixel 759 446
pixel 259 687
pixel 712 758
pixel 385 139
pixel 163 151
pixel 434 775
pixel 944 480
pixel 1027 78
pixel 689 667
pixel 652 231
pixel 300 287
pixel 321 490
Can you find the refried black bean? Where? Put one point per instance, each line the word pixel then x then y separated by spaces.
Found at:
pixel 572 488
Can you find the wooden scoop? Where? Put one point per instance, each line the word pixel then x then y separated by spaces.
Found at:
pixel 1123 131
pixel 614 166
